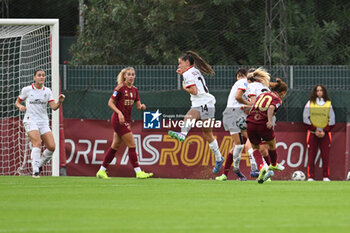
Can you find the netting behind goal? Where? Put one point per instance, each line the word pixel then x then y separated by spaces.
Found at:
pixel 23 49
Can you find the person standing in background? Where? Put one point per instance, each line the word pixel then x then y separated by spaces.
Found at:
pixel 319 118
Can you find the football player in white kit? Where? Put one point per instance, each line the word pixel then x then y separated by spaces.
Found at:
pixel 191 66
pixel 234 122
pixel 36 120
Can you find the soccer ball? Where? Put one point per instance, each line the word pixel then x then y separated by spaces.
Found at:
pixel 298 176
pixel 348 176
pixel 241 123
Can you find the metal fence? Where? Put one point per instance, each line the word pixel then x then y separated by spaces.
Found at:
pixel 164 77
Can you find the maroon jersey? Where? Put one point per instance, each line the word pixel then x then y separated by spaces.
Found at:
pixel 258 114
pixel 124 98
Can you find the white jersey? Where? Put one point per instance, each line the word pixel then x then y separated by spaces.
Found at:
pixel 239 85
pixel 36 103
pixel 193 77
pixel 256 88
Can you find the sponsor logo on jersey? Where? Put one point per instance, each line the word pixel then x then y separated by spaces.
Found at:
pixel 37 101
pixel 151 120
pixel 115 93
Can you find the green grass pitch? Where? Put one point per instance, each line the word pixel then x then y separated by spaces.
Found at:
pixel 86 204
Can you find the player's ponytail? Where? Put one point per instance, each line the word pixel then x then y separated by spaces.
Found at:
pixel 260 75
pixel 121 75
pixel 195 59
pixel 279 86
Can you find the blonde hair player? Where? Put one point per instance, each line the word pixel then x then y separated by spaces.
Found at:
pixel 36 120
pixel 125 94
pixel 191 66
pixel 258 83
pixel 260 125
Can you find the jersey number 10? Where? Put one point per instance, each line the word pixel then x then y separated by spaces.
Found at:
pixel 263 102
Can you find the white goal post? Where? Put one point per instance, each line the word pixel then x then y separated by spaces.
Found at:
pixel 25 45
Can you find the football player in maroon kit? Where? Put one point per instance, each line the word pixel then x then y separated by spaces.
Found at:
pixel 260 126
pixel 121 102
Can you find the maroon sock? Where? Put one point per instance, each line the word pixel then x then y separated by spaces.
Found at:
pixel 267 160
pixel 228 163
pixel 109 156
pixel 133 157
pixel 258 158
pixel 273 157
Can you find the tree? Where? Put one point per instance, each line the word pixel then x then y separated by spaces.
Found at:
pixel 157 32
pixel 223 32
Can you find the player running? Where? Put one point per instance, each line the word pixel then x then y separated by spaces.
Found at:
pixel 260 125
pixel 258 83
pixel 121 102
pixel 36 120
pixel 191 66
pixel 234 122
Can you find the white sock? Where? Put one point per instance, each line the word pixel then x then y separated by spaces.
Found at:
pixel 253 164
pixel 137 169
pixel 237 155
pixel 35 156
pixel 186 128
pixel 215 149
pixel 102 168
pixel 47 155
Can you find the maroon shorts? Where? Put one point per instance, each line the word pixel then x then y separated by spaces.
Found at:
pixel 258 133
pixel 120 129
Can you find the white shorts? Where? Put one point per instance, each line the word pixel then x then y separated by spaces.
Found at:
pixel 42 127
pixel 234 120
pixel 206 111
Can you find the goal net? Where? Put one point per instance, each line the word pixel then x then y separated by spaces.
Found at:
pixel 25 46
